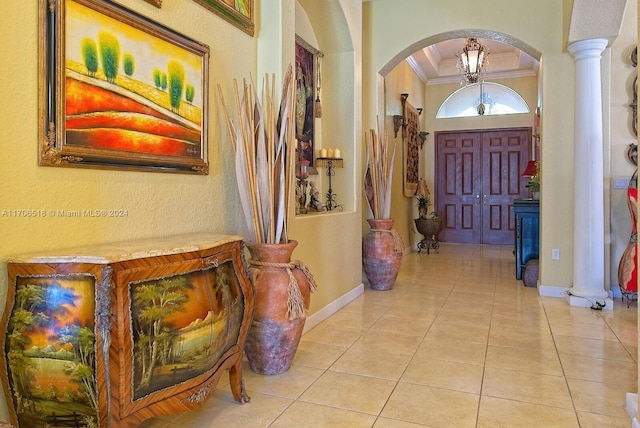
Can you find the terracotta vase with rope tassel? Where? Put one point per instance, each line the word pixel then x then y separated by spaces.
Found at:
pixel 283 290
pixel 382 250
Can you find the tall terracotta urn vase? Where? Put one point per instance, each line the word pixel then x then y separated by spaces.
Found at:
pixel 382 250
pixel 283 290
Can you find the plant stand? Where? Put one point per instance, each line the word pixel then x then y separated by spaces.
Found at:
pixel 429 228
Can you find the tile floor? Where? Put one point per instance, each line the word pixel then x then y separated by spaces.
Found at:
pixel 458 342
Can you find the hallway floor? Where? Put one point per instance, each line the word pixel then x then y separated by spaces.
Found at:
pixel 458 342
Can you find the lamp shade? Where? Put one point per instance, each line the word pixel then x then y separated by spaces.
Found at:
pixel 531 169
pixel 422 189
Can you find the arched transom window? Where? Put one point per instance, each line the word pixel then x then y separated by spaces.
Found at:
pixel 497 99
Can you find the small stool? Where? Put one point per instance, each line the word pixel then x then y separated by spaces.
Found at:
pixel 530 274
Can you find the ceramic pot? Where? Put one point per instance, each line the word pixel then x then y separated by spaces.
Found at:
pixel 273 337
pixel 382 250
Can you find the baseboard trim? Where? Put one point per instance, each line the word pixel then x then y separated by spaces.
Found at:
pixel 332 308
pixel 551 291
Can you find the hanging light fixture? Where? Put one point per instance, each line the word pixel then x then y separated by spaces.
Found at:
pixel 473 60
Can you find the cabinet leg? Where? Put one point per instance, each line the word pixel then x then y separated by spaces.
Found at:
pixel 237 383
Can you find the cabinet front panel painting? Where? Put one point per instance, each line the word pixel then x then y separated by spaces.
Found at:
pixel 176 334
pixel 50 350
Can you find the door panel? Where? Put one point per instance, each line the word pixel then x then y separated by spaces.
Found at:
pixel 459 163
pixel 477 180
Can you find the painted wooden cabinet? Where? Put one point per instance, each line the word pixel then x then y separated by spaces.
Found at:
pixel 112 335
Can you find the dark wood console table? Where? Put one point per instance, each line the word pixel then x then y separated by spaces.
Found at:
pixel 108 336
pixel 527 226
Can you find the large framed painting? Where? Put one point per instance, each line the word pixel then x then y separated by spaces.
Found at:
pixel 237 12
pixel 117 90
pixel 306 75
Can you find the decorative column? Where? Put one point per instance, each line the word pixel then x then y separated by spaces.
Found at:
pixel 588 192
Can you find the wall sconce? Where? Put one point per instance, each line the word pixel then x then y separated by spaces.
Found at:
pixel 398 121
pixel 423 137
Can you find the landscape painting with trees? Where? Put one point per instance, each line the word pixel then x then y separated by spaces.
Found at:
pixel 50 350
pixel 176 335
pixel 133 91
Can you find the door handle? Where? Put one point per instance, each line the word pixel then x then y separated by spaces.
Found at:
pixel 478 199
pixel 484 199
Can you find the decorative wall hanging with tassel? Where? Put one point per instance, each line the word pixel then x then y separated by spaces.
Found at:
pixel 318 107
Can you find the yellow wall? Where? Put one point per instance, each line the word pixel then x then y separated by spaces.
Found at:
pixel 165 204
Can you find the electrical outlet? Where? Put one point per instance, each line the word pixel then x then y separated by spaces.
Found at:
pixel 555 254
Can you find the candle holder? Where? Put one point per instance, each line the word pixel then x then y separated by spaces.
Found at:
pixel 331 164
pixel 302 173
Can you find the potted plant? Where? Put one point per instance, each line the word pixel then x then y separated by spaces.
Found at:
pixel 382 247
pixel 264 144
pixel 428 225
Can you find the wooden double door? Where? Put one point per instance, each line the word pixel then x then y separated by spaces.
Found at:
pixel 477 177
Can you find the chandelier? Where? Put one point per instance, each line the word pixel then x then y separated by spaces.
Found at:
pixel 473 60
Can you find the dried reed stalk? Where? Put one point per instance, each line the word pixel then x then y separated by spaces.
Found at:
pixel 263 143
pixel 378 174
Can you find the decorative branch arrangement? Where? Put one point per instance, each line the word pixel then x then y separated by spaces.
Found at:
pixel 264 146
pixel 378 174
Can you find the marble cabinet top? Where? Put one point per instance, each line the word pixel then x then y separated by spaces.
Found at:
pixel 128 250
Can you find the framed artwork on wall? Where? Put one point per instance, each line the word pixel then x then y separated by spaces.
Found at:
pixel 237 12
pixel 306 76
pixel 117 90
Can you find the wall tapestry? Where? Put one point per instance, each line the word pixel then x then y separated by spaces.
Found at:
pixel 120 91
pixel 305 106
pixel 411 146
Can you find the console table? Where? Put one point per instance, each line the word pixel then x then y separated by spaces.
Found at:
pixel 115 334
pixel 527 225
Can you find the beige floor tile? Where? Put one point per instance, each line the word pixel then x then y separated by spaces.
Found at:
pixel 261 411
pixel 363 362
pixel 393 423
pixel 450 350
pixel 318 355
pixel 599 370
pixel 578 329
pixel 499 412
pixel 309 415
pixel 460 316
pixel 290 384
pixel 350 392
pixel 456 332
pixel 331 335
pixel 577 314
pixel 355 320
pixel 444 374
pixel 393 343
pixel 522 339
pixel 433 407
pixel 592 420
pixel 392 324
pixel 528 387
pixel 595 348
pixel 523 359
pixel 599 398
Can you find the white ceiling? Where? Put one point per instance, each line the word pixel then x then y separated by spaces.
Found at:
pixel 436 64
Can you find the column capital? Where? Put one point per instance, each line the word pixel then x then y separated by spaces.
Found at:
pixel 589 48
